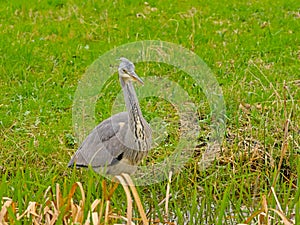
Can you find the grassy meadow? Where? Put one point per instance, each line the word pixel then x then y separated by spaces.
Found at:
pixel 252 47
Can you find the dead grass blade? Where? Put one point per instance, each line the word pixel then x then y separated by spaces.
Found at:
pixel 120 217
pixel 251 217
pixel 283 217
pixel 3 213
pixel 112 190
pixel 129 200
pixel 168 194
pixel 106 217
pixel 136 198
pixel 78 210
pixel 100 213
pixel 279 211
pixel 62 209
pixel 31 210
pixel 263 214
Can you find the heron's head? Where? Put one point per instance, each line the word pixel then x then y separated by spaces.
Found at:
pixel 126 71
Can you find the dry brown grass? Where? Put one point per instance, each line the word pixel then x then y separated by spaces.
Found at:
pixel 263 215
pixel 57 208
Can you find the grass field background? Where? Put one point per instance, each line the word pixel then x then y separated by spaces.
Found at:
pixel 253 49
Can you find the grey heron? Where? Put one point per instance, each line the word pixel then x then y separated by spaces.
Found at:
pixel 118 144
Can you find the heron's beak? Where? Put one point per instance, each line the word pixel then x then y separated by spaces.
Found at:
pixel 136 77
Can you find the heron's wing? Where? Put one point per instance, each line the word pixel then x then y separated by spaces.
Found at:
pixel 104 145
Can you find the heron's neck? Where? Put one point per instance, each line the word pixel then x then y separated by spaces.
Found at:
pixel 132 104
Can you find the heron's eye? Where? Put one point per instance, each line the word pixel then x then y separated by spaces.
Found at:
pixel 124 71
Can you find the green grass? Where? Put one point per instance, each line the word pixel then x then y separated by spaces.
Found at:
pixel 253 49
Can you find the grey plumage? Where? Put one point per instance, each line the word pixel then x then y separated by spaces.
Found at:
pixel 118 144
